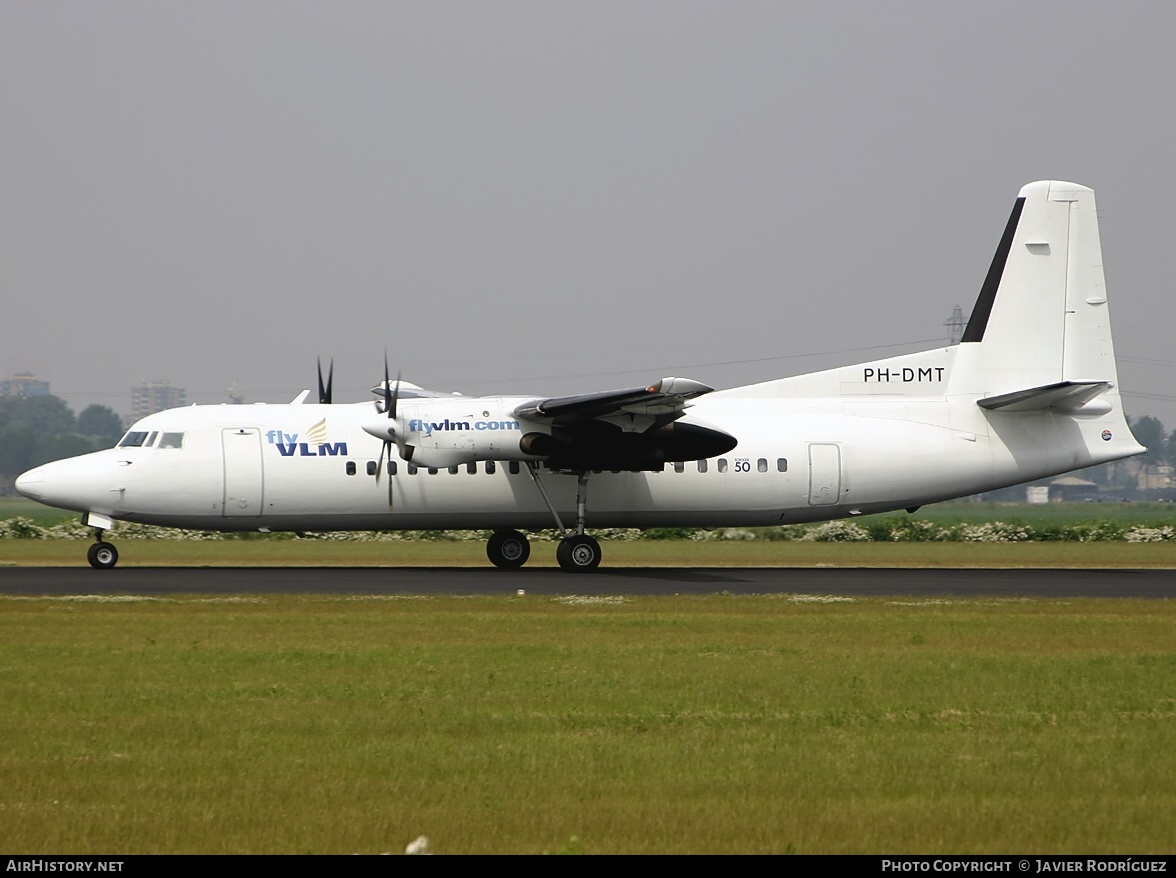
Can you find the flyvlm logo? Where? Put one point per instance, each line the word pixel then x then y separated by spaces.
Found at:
pixel 316 444
pixel 416 425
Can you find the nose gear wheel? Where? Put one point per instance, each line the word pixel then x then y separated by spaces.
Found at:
pixel 101 555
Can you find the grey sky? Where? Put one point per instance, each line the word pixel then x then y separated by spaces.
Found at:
pixel 554 197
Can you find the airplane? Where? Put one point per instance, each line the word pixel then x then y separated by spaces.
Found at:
pixel 1030 391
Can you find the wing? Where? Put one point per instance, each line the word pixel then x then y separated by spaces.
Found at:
pixel 624 429
pixel 658 403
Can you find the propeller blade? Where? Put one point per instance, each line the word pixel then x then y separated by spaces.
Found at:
pixel 401 440
pixel 324 391
pixel 388 448
pixel 395 432
pixel 385 460
pixel 389 399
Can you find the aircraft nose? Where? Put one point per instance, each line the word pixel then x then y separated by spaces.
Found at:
pixel 80 483
pixel 31 484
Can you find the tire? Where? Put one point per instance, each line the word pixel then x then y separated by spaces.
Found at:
pixel 508 549
pixel 102 556
pixel 578 554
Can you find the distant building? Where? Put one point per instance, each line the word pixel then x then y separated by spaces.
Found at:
pixel 24 384
pixel 1155 478
pixel 1072 489
pixel 1037 493
pixel 155 396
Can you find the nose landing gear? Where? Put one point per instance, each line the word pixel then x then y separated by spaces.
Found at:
pixel 101 555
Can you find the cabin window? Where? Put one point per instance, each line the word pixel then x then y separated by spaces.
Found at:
pixel 171 440
pixel 782 464
pixel 472 467
pixel 762 464
pixel 371 467
pixel 412 469
pixel 513 466
pixel 679 466
pixel 722 464
pixel 433 470
pixel 391 467
pixel 351 467
pixel 490 467
pixel 134 439
pixel 453 470
pixel 702 466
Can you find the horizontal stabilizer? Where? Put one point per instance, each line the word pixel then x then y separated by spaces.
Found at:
pixel 1069 396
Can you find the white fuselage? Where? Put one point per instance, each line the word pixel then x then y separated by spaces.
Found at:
pixel 254 468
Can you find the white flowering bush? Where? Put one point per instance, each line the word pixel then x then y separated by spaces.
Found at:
pixel 836 532
pixel 894 529
pixel 21 528
pixel 135 531
pixel 1150 534
pixel 1098 532
pixel 917 530
pixel 738 534
pixel 993 532
pixel 67 530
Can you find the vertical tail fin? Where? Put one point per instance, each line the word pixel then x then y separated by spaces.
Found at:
pixel 1041 318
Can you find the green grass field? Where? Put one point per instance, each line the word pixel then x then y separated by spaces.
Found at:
pixel 718 724
pixel 714 724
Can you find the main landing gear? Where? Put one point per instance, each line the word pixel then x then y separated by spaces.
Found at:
pixel 508 549
pixel 577 552
pixel 101 555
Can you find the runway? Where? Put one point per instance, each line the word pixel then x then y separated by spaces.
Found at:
pixel 857 581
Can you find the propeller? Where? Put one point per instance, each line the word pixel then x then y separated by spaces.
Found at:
pixel 391 397
pixel 324 392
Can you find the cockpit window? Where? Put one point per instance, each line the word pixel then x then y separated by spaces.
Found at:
pixel 171 440
pixel 133 439
pixel 151 439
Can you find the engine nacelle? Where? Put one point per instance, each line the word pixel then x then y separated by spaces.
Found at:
pixel 444 432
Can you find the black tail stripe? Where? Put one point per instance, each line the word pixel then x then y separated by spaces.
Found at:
pixel 978 322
